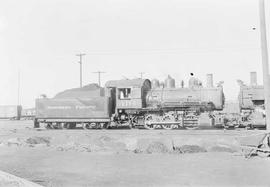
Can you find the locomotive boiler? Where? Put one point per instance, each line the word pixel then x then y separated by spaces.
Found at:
pixel 134 103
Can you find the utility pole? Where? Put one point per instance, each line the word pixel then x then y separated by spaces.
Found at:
pixel 141 73
pixel 265 64
pixel 80 62
pixel 99 79
pixel 19 87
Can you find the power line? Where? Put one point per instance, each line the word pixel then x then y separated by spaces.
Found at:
pixel 80 62
pixel 172 50
pixel 99 78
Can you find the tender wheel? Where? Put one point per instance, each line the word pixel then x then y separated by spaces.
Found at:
pixel 93 125
pixel 66 126
pixel 104 125
pixel 70 125
pixel 55 125
pixel 85 126
pixel 63 126
pixel 49 126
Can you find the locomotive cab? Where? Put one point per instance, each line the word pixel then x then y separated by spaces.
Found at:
pixel 128 96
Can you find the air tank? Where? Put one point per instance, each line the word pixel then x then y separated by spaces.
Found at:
pixel 155 83
pixel 209 81
pixel 253 78
pixel 169 82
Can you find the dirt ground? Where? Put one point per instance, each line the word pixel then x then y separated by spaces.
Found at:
pixel 130 157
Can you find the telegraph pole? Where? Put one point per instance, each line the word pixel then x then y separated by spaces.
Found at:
pixel 141 73
pixel 80 62
pixel 265 64
pixel 19 87
pixel 99 78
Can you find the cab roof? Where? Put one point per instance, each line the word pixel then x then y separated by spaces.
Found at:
pixel 127 83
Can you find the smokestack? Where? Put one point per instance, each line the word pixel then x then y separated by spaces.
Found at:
pixel 253 78
pixel 209 79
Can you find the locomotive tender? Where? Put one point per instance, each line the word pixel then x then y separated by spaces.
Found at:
pixel 135 103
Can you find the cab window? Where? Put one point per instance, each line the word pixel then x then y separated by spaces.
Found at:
pixel 124 93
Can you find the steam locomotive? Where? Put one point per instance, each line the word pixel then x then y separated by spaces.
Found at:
pixel 251 103
pixel 134 103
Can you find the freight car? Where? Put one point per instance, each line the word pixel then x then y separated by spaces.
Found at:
pixel 11 112
pixel 28 113
pixel 135 104
pixel 251 103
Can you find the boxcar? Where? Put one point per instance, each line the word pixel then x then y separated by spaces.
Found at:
pixel 12 112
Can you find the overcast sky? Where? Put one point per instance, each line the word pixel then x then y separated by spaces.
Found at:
pixel 123 38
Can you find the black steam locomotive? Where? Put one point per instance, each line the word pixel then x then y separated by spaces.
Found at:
pixel 251 103
pixel 136 103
